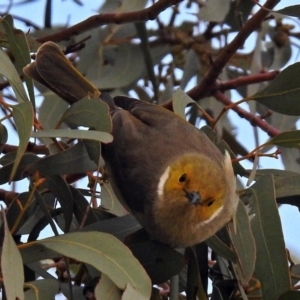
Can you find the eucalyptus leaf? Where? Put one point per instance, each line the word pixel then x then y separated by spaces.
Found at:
pixel 106 289
pixel 271 267
pixel 105 253
pixel 244 245
pixel 92 113
pixel 11 266
pixel 211 11
pixel 19 47
pixel 45 289
pixel 290 295
pixel 289 139
pixel 26 160
pixel 51 110
pixel 73 160
pixel 8 70
pixel 282 94
pixel 180 102
pixel 292 11
pixel 103 137
pixel 23 117
pixel 58 186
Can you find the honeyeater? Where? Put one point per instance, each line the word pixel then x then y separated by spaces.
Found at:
pixel 174 180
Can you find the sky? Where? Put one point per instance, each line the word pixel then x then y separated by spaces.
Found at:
pixel 68 12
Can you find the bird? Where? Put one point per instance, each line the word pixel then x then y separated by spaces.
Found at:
pixel 168 173
pixel 165 171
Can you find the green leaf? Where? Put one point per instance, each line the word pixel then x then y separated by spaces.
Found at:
pixel 7 69
pixel 30 216
pixel 244 245
pixel 45 289
pixel 58 186
pixel 32 252
pixel 160 261
pixel 3 134
pixel 17 42
pixel 282 94
pixel 220 248
pixel 191 68
pixel 214 10
pixel 26 160
pixel 271 267
pixel 106 289
pixel 292 11
pixel 129 293
pixel 70 161
pixel 92 113
pixel 125 65
pixel 23 117
pixel 289 139
pixel 179 101
pixel 120 227
pixel 105 253
pixel 103 137
pixel 93 149
pixel 290 295
pixel 81 209
pixel 110 201
pixel 20 50
pixel 286 182
pixel 11 266
pixel 51 110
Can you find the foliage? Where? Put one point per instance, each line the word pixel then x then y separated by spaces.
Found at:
pixel 97 248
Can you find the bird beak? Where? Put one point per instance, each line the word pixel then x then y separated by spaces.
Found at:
pixel 193 197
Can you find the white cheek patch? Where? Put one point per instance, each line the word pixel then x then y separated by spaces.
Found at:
pixel 162 180
pixel 217 212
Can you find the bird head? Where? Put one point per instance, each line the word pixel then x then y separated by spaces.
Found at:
pixel 193 191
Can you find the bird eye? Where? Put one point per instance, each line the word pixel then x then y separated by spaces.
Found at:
pixel 182 178
pixel 210 202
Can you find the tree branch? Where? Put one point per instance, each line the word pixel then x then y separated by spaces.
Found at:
pixel 222 59
pixel 253 119
pixel 234 83
pixel 31 147
pixel 146 14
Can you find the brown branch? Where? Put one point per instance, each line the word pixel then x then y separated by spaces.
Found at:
pixel 253 119
pixel 7 196
pixel 208 82
pixel 222 59
pixel 228 85
pixel 31 147
pixel 146 14
pixel 240 81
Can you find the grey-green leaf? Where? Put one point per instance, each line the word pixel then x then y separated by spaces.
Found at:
pixel 92 113
pixel 106 289
pixel 283 93
pixel 289 139
pixel 7 69
pixel 45 289
pixel 244 245
pixel 73 160
pixel 105 253
pixel 100 136
pixel 180 101
pixel 11 266
pixel 23 117
pixel 271 267
pixel 292 11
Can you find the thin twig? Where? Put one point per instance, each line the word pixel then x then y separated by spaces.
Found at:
pixel 146 14
pixel 253 119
